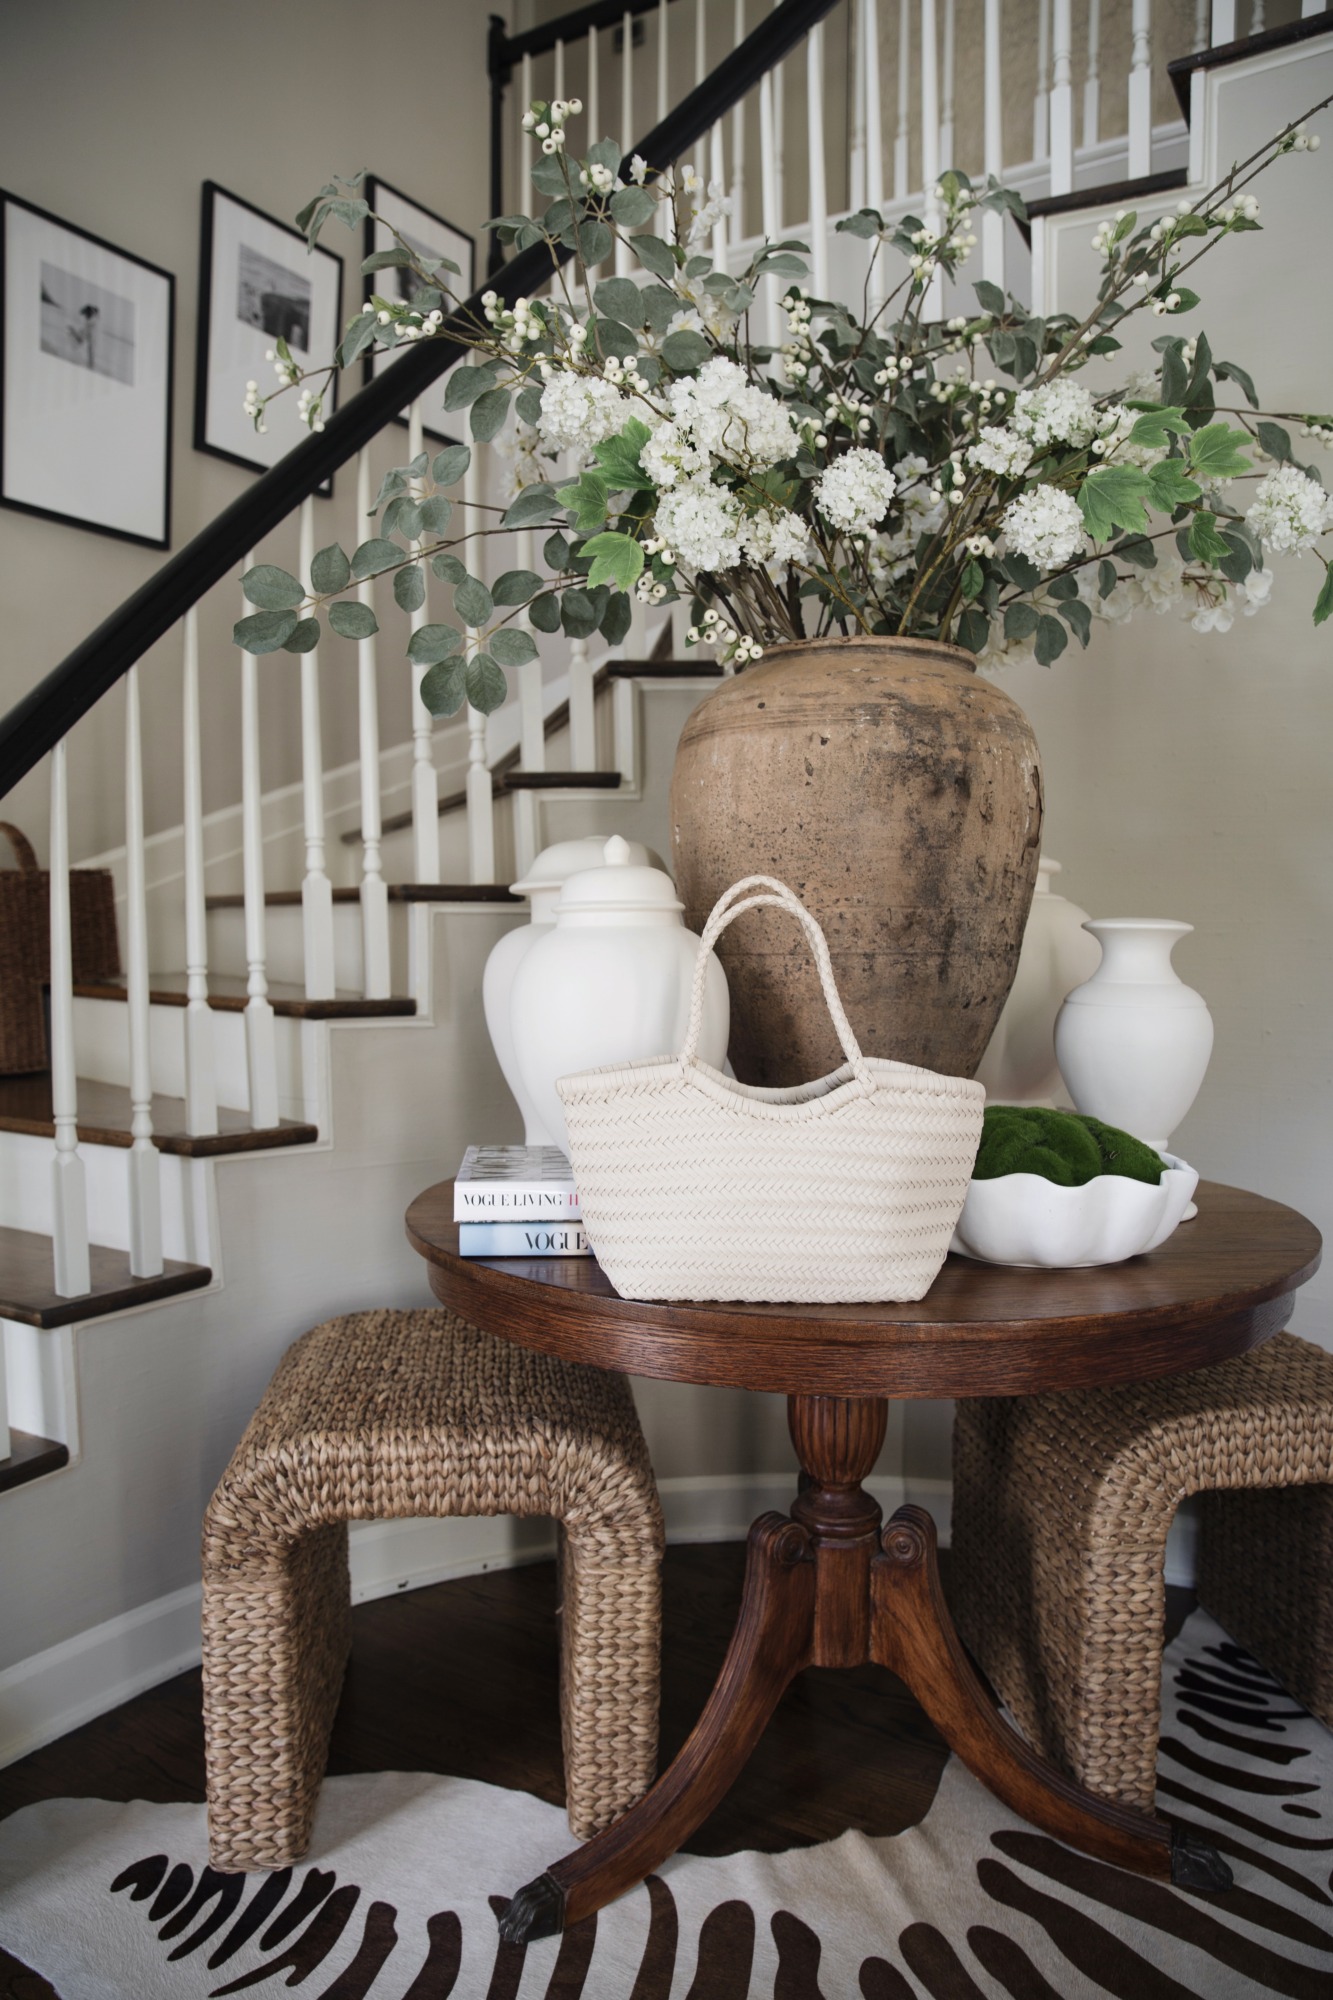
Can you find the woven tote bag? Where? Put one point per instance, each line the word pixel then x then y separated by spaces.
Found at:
pixel 845 1190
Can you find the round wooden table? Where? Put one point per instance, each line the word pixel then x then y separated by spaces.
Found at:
pixel 825 1585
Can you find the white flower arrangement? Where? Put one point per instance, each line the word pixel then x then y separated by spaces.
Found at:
pixel 871 474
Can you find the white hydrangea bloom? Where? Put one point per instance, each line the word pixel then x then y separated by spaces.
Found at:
pixel 778 538
pixel 669 456
pixel 1044 525
pixel 1290 510
pixel 703 525
pixel 1062 412
pixel 1256 590
pixel 1113 429
pixel 724 415
pixel 1000 450
pixel 579 411
pixel 855 490
pixel 1161 586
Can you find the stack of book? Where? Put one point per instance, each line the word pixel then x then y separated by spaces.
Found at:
pixel 518 1201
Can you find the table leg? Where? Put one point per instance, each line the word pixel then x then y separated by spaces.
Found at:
pixel 771 1643
pixel 913 1636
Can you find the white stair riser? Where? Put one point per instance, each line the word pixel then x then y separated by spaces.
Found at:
pixel 188 1233
pixel 101 1041
pixel 283 938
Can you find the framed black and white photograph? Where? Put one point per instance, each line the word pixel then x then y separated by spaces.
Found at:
pixel 258 283
pixel 431 237
pixel 86 367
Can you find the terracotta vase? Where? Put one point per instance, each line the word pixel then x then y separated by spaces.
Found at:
pixel 900 795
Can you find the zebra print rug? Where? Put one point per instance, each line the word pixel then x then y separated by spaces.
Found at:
pixel 116 1902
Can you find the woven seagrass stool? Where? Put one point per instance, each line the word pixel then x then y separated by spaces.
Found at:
pixel 1061 1508
pixel 385 1415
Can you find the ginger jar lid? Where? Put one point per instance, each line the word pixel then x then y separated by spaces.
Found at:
pixel 555 864
pixel 621 886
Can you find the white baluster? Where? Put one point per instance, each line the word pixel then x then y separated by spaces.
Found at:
pixel 1258 17
pixel 946 107
pixel 1092 89
pixel 624 255
pixel 663 61
pixel 717 173
pixel 856 161
pixel 770 213
pixel 902 131
pixel 316 889
pixel 559 65
pixel 1201 15
pixel 480 806
pixel 531 732
pixel 700 72
pixel 69 1200
pixel 1062 100
pixel 145 1173
pixel 1041 103
pixel 582 718
pixel 779 127
pixel 374 892
pixel 425 777
pixel 738 133
pixel 525 139
pixel 261 1052
pixel 1224 22
pixel 201 1091
pixel 1140 92
pixel 814 103
pixel 874 139
pixel 993 223
pixel 933 304
pixel 6 1444
pixel 593 107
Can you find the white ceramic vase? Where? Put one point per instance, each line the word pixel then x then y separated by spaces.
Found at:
pixel 1019 1065
pixel 609 982
pixel 541 885
pixel 1133 1043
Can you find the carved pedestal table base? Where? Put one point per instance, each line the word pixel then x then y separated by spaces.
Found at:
pixel 824 1587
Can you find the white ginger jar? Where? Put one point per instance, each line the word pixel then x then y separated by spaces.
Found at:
pixel 1134 1042
pixel 541 885
pixel 1019 1065
pixel 610 983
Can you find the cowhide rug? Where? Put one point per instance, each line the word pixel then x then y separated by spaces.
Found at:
pixel 398 1899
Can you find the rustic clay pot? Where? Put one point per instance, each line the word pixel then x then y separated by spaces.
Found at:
pixel 900 796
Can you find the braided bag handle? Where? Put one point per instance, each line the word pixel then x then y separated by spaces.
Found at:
pixel 22 847
pixel 775 895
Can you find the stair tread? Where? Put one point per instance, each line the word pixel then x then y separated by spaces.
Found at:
pixel 227 994
pixel 663 670
pixel 27 1294
pixel 1121 193
pixel 561 781
pixel 30 1456
pixel 399 892
pixel 105 1113
pixel 1222 53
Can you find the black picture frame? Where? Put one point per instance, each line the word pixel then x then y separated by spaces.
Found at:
pixel 240 246
pixel 84 409
pixel 418 224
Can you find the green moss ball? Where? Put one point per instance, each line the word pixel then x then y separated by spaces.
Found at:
pixel 1062 1146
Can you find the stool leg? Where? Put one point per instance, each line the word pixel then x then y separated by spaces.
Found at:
pixel 610 1664
pixel 1266 1575
pixel 276 1634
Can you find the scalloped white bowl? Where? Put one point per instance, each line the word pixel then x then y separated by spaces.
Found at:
pixel 1025 1220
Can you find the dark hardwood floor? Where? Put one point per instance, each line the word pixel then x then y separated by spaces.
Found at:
pixel 461 1678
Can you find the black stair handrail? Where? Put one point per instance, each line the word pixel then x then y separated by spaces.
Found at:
pixel 37 723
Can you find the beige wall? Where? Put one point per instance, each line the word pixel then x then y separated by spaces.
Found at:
pixel 111 117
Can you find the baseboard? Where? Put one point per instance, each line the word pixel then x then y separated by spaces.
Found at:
pixel 44 1697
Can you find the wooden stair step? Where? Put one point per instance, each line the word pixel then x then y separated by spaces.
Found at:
pixel 1115 194
pixel 30 1457
pixel 27 1293
pixel 562 781
pixel 228 994
pixel 105 1113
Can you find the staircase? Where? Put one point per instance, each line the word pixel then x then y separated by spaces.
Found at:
pixel 225 1144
